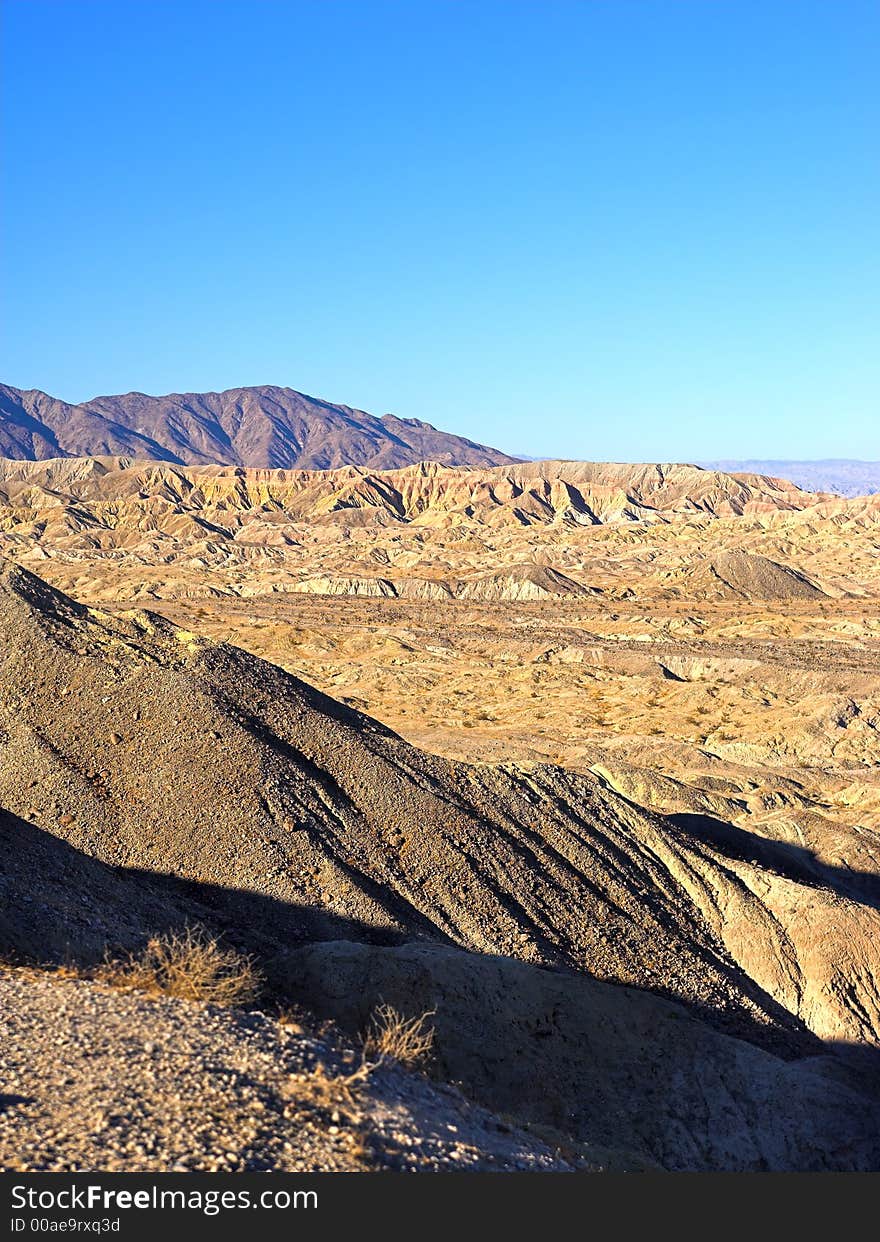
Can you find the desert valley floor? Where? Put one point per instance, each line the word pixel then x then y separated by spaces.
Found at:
pixel 582 760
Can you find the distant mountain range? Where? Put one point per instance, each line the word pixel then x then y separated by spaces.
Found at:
pixel 263 426
pixel 279 428
pixel 843 475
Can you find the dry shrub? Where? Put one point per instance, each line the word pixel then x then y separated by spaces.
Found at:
pixel 390 1036
pixel 292 1020
pixel 188 964
pixel 333 1100
pixel 319 1089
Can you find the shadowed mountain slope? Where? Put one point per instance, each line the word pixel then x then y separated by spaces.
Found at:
pixel 640 1081
pixel 149 748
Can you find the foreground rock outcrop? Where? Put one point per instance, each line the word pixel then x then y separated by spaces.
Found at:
pixel 615 1067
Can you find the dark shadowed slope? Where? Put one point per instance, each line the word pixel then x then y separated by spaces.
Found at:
pixel 636 1078
pixel 149 748
pixel 263 426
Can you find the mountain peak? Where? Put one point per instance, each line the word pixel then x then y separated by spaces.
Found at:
pixel 265 426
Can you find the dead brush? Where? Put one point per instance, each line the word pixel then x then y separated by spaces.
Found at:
pixel 325 1092
pixel 331 1101
pixel 389 1037
pixel 191 965
pixel 392 1037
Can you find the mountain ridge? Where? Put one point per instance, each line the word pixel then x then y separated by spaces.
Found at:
pixel 263 426
pixel 587 493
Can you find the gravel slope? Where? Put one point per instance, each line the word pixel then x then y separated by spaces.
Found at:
pixel 92 1078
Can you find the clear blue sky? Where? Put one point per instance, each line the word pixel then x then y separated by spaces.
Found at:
pixel 607 229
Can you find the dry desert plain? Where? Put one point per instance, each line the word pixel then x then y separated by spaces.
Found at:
pixel 601 744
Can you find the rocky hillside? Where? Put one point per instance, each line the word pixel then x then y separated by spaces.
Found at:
pixel 653 969
pixel 263 426
pixel 148 748
pixel 108 503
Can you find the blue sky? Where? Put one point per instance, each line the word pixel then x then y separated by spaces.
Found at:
pixel 622 229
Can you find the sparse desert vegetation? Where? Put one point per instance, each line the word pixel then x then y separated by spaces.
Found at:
pixel 189 964
pixel 391 1036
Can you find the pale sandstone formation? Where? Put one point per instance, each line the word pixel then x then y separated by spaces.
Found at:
pixel 664 683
